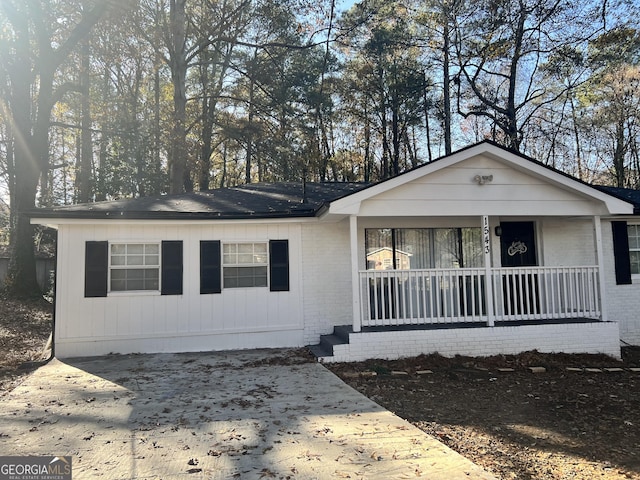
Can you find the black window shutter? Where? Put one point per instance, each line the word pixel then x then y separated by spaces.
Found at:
pixel 621 253
pixel 210 267
pixel 172 267
pixel 96 265
pixel 279 265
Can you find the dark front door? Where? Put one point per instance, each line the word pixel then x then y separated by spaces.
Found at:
pixel 518 244
pixel 518 249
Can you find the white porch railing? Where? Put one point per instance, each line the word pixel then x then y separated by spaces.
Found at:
pixel 414 297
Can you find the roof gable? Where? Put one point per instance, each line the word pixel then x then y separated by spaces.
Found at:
pixel 482 179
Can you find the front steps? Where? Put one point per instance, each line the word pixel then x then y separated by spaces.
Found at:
pixel 324 350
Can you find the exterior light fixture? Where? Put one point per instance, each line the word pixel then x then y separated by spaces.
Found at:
pixel 482 179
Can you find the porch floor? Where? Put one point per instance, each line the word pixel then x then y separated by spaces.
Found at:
pixel 503 323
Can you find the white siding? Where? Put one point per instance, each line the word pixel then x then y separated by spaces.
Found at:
pixel 134 322
pixel 623 301
pixel 566 241
pixel 453 191
pixel 326 278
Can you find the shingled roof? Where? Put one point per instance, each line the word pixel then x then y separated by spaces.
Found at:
pixel 628 194
pixel 256 200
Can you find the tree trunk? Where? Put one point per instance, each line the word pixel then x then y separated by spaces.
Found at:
pixel 425 105
pixel 22 267
pixel 619 154
pixel 178 65
pixel 576 135
pixel 445 87
pixel 250 118
pixel 368 164
pixel 31 127
pixel 86 149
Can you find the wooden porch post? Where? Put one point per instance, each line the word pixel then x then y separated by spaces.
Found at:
pixel 597 227
pixel 486 238
pixel 355 276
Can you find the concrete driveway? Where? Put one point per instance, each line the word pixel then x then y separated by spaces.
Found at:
pixel 251 414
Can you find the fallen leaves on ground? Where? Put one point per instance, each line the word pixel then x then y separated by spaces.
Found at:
pixel 573 420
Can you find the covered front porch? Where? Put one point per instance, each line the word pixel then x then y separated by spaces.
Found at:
pixel 480 310
pixel 483 252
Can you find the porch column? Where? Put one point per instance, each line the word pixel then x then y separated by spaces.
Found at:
pixel 597 228
pixel 355 276
pixel 488 282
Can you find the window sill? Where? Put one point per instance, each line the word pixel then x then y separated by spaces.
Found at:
pixel 134 293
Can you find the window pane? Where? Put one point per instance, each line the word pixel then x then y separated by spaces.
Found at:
pixel 237 277
pixel 635 262
pixel 151 273
pixel 245 258
pixel 245 248
pixel 260 276
pixel 152 260
pixel 472 253
pixel 118 285
pixel 135 249
pixel 151 279
pixel 135 274
pixel 245 282
pixel 135 260
pixel 118 260
pixel 634 236
pixel 378 247
pixel 446 248
pixel 244 253
pixel 118 249
pixel 230 275
pixel 413 248
pixel 152 249
pixel 119 274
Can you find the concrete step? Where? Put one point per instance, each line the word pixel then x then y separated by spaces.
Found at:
pixel 340 336
pixel 318 351
pixel 343 332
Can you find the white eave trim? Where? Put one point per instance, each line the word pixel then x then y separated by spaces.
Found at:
pixel 55 222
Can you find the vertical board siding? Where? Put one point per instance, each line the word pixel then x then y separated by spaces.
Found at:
pixel 178 322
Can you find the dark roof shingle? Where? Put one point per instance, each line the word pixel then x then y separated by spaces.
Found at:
pixel 628 194
pixel 256 200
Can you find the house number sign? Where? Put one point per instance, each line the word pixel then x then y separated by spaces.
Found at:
pixel 486 234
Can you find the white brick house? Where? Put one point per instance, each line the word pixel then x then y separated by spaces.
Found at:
pixel 493 253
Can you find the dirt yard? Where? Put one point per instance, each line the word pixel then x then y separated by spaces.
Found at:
pixel 577 419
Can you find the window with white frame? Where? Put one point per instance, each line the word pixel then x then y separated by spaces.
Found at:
pixel 634 248
pixel 134 266
pixel 418 248
pixel 244 264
